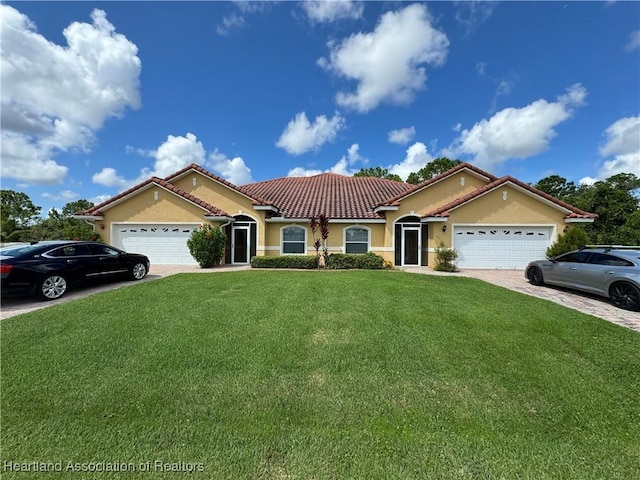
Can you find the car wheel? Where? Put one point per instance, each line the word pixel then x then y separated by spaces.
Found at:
pixel 138 271
pixel 52 287
pixel 625 295
pixel 534 275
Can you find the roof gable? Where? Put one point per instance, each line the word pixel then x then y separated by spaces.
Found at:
pixel 198 169
pixel 209 209
pixel 570 210
pixel 464 166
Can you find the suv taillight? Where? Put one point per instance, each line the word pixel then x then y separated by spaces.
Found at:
pixel 5 269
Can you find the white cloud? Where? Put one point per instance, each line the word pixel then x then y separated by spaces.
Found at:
pixel 472 13
pixel 344 166
pixel 623 137
pixel 331 10
pixel 175 153
pixel 303 172
pixel 55 98
pixel 109 177
pixel 65 195
pixel 234 170
pixel 504 88
pixel 402 136
pixel 587 181
pixel 417 157
pixel 634 41
pixel 302 136
pixel 230 23
pixel 623 143
pixel 516 132
pixel 387 63
pixel 25 161
pixel 481 68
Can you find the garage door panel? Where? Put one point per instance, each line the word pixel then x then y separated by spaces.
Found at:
pixel 500 246
pixel 163 244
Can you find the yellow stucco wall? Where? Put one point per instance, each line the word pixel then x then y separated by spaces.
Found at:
pixel 490 209
pixel 429 199
pixel 224 198
pixel 335 241
pixel 142 207
pixel 519 208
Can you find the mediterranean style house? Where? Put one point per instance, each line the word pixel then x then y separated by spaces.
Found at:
pixel 492 222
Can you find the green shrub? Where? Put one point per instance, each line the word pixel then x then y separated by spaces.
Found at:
pixel 445 257
pixel 573 239
pixel 366 261
pixel 206 245
pixel 285 261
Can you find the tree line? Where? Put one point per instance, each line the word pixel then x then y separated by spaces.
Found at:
pixel 616 201
pixel 20 220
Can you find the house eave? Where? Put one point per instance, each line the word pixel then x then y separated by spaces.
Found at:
pixel 579 220
pixel 331 220
pixel 386 208
pixel 88 217
pixel 265 208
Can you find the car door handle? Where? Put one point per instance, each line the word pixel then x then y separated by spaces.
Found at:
pixel 610 273
pixel 71 260
pixel 574 268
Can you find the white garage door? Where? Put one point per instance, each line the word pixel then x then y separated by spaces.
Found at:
pixel 163 244
pixel 500 246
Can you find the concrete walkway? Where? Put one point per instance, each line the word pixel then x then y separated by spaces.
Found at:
pixel 515 280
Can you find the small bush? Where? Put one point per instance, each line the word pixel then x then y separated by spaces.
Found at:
pixel 285 261
pixel 572 240
pixel 206 245
pixel 445 257
pixel 366 261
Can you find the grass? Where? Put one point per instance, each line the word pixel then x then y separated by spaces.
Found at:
pixel 314 375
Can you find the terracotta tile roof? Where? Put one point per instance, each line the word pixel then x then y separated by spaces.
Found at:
pixel 255 199
pixel 461 166
pixel 210 209
pixel 336 196
pixel 445 209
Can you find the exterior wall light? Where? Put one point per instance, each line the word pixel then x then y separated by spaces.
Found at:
pixel 444 228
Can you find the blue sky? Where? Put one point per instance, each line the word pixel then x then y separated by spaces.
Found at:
pixel 98 96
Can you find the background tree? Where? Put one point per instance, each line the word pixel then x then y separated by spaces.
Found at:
pixel 431 169
pixel 558 187
pixel 17 215
pixel 616 200
pixel 60 225
pixel 377 172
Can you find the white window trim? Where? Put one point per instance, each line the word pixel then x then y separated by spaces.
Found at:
pixel 344 237
pixel 282 239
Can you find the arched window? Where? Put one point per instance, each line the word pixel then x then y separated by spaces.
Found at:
pixel 356 240
pixel 294 240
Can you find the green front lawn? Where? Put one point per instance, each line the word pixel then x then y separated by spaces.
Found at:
pixel 320 375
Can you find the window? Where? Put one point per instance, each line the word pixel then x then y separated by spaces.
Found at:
pixel 294 240
pixel 99 249
pixel 604 259
pixel 356 240
pixel 70 251
pixel 575 257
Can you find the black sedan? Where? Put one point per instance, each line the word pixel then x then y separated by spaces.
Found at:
pixel 47 269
